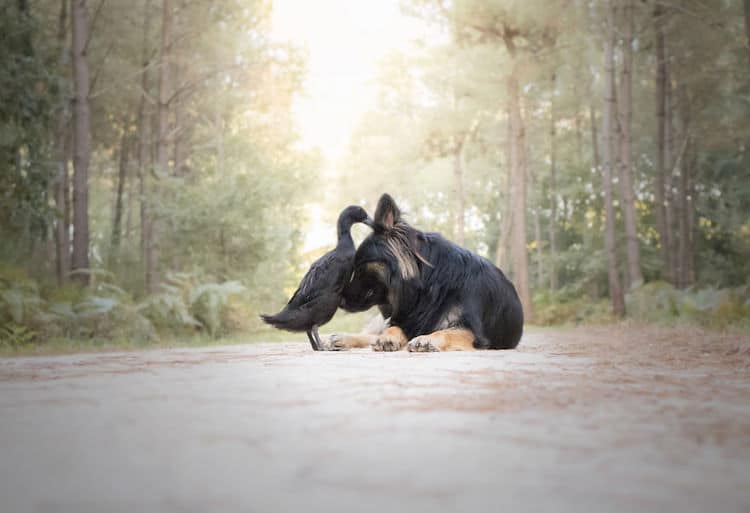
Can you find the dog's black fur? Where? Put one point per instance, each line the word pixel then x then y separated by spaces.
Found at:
pixel 426 283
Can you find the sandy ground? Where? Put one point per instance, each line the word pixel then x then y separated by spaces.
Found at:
pixel 596 419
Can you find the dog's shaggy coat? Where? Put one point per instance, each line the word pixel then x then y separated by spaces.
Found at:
pixel 438 296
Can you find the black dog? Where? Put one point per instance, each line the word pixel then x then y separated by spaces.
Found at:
pixel 438 295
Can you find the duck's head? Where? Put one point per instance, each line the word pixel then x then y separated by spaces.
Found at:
pixel 354 214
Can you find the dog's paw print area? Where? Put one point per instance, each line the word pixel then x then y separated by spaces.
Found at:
pixel 386 344
pixel 334 342
pixel 422 344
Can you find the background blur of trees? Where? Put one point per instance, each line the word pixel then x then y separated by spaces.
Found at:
pixel 587 147
pixel 179 112
pixel 595 150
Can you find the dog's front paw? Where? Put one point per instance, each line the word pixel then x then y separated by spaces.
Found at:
pixel 386 343
pixel 422 344
pixel 333 342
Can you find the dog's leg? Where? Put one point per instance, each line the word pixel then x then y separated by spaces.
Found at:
pixel 392 339
pixel 457 339
pixel 343 342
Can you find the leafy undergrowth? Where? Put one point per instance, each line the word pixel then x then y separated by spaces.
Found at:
pixel 190 313
pixel 105 316
pixel 656 302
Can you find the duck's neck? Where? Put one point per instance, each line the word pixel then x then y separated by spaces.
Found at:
pixel 345 233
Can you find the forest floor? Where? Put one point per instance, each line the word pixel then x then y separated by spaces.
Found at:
pixel 617 418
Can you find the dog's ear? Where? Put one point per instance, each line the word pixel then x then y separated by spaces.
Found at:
pixel 387 213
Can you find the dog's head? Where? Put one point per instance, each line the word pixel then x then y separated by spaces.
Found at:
pixel 388 263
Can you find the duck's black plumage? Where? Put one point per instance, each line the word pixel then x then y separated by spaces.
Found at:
pixel 319 292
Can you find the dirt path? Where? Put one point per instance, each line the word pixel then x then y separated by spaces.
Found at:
pixel 596 419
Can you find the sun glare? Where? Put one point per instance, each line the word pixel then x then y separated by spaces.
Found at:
pixel 345 41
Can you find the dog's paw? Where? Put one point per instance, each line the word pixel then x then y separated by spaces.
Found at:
pixel 333 342
pixel 422 344
pixel 386 343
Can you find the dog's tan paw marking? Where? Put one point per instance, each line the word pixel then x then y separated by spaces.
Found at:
pixel 386 343
pixel 422 344
pixel 333 342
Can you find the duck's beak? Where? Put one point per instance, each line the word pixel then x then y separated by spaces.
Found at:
pixel 369 222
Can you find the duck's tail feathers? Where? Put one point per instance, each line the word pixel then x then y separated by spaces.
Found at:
pixel 283 320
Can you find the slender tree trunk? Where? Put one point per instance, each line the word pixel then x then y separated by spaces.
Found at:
pixel 690 219
pixel 553 184
pixel 127 232
pixel 81 142
pixel 595 222
pixel 143 139
pixel 518 196
pixel 635 274
pixel 121 178
pixel 501 255
pixel 501 259
pixel 594 140
pixel 659 179
pixel 669 158
pixel 458 184
pixel 615 289
pixel 684 201
pixel 153 244
pixel 62 188
pixel 62 235
pixel 537 236
pixel 747 21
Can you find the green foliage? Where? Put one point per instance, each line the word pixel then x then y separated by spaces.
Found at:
pixel 186 305
pixel 711 307
pixel 560 308
pixel 14 336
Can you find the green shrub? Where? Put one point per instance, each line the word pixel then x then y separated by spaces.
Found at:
pixel 654 301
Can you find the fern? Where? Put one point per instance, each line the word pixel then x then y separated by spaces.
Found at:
pixel 208 300
pixel 15 336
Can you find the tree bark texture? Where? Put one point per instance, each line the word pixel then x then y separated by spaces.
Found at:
pixel 518 197
pixel 121 179
pixel 659 179
pixel 635 274
pixel 615 288
pixel 62 187
pixel 81 142
pixel 553 184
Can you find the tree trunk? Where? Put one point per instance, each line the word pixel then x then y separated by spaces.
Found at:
pixel 635 274
pixel 62 188
pixel 659 179
pixel 747 22
pixel 143 138
pixel 690 219
pixel 153 243
pixel 458 183
pixel 62 235
pixel 121 178
pixel 553 185
pixel 501 255
pixel 518 196
pixel 684 200
pixel 669 158
pixel 595 224
pixel 81 142
pixel 615 289
pixel 537 239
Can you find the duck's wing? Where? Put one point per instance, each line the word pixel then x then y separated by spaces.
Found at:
pixel 326 275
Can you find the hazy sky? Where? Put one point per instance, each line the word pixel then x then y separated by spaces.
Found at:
pixel 345 39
